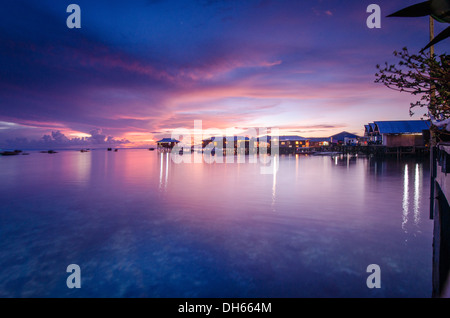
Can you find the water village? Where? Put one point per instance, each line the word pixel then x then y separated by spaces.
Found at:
pixel 381 138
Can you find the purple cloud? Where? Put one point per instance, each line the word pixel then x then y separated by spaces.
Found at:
pixel 57 140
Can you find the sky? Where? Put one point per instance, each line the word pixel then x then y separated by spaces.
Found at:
pixel 137 70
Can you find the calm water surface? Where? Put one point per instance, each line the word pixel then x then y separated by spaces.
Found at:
pixel 140 225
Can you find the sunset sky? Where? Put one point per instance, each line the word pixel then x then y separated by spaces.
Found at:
pixel 138 69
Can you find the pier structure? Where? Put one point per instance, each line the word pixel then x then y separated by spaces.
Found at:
pixel 380 150
pixel 440 214
pixel 166 144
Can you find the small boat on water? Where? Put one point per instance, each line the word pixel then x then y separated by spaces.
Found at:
pixel 10 153
pixel 84 150
pixel 49 151
pixel 151 149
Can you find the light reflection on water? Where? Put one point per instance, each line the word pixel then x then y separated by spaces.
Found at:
pixel 140 225
pixel 412 214
pixel 405 197
pixel 164 170
pixel 417 193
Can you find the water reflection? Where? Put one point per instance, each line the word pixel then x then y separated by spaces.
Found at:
pixel 75 169
pixel 407 171
pixel 378 166
pixel 274 181
pixel 212 231
pixel 164 158
pixel 417 184
pixel 405 202
pixel 341 160
pixel 83 167
pixel 415 174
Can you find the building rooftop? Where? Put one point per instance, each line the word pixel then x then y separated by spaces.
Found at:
pixel 402 126
pixel 342 135
pixel 168 140
pixel 319 139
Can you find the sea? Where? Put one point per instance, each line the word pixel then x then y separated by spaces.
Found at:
pixel 139 224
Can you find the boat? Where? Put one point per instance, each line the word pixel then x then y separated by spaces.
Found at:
pixel 151 149
pixel 10 153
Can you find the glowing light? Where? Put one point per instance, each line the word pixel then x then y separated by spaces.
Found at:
pixel 416 194
pixel 405 202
